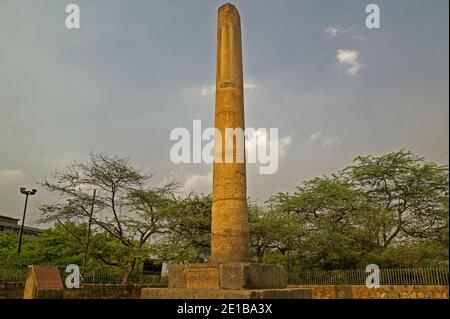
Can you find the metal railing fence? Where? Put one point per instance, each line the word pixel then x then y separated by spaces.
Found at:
pixel 389 276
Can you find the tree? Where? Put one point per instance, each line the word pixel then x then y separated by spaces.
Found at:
pixel 53 246
pixel 391 210
pixel 409 195
pixel 125 211
pixel 366 212
pixel 271 232
pixel 324 210
pixel 189 224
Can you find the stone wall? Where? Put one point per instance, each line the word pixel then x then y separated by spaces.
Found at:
pixel 90 291
pixel 14 290
pixel 11 290
pixel 384 292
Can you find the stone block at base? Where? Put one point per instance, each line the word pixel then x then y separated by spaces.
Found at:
pixel 177 278
pixel 180 293
pixel 232 276
pixel 199 276
pixel 43 282
pixel 252 276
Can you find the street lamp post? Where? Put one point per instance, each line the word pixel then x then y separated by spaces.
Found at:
pixel 26 193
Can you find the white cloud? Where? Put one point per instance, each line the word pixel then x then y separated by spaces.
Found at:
pixel 260 140
pixel 255 141
pixel 319 140
pixel 350 59
pixel 249 86
pixel 283 145
pixel 172 176
pixel 198 183
pixel 333 31
pixel 207 90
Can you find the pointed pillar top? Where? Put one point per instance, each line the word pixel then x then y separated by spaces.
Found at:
pixel 227 10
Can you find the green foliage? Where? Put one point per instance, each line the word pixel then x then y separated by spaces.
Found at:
pixel 410 195
pixel 189 229
pixel 53 246
pixel 271 230
pixel 127 213
pixel 390 210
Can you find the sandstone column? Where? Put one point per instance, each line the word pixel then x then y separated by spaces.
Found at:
pixel 229 236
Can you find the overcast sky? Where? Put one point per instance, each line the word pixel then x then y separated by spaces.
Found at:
pixel 135 70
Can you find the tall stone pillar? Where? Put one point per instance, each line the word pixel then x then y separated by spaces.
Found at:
pixel 230 273
pixel 230 235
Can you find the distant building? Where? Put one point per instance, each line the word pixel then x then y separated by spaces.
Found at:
pixel 9 225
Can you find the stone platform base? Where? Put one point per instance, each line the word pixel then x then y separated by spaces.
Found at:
pixel 230 276
pixel 182 293
pixel 240 280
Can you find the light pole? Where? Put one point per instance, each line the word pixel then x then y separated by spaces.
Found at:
pixel 26 193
